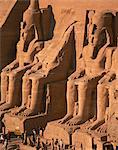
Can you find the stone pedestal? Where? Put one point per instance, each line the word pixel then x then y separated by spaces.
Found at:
pixel 56 131
pixel 82 140
pixel 77 136
pixel 14 123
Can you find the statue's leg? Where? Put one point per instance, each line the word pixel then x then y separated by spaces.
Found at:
pixel 102 96
pixel 71 98
pixel 23 89
pixel 82 97
pixel 26 91
pixel 4 87
pixel 37 91
pixel 13 92
pixel 36 96
pixel 14 89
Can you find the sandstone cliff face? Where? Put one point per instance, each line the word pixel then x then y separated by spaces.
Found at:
pixel 10 17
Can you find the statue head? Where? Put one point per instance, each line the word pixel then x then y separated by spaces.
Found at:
pixel 28 25
pixel 29 14
pixel 100 22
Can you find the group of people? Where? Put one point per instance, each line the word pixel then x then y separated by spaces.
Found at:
pixel 4 139
pixel 32 138
pixel 35 138
pixel 58 144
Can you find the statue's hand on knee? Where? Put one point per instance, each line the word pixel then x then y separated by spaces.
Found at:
pixel 7 68
pixel 109 76
pixel 34 69
pixel 28 72
pixel 76 75
pixel 11 66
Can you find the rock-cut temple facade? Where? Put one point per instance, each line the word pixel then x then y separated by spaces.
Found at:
pixel 59 70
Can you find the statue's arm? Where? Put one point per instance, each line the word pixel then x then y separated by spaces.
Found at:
pixel 109 54
pixel 34 68
pixel 80 71
pixel 108 77
pixel 11 66
pixel 35 47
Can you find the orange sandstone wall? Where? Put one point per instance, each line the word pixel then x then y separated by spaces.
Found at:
pixel 82 4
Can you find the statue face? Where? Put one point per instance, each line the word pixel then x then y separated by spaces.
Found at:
pixel 23 30
pixel 93 35
pixel 97 35
pixel 25 36
pixel 99 23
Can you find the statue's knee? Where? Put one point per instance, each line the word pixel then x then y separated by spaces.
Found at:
pixel 100 86
pixel 70 84
pixel 24 78
pixel 84 83
pixel 3 73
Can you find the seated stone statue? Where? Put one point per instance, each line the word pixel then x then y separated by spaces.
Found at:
pixel 28 45
pixel 52 67
pixel 91 68
pixel 102 90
